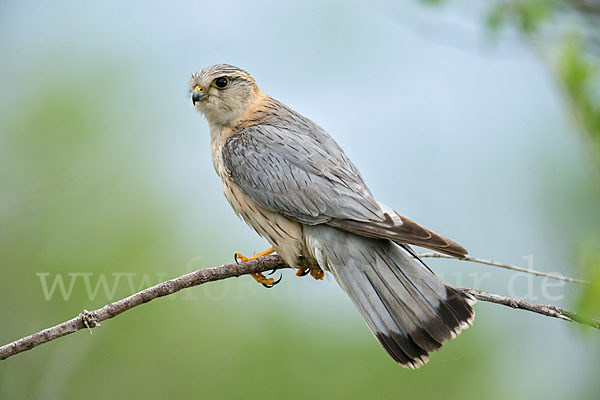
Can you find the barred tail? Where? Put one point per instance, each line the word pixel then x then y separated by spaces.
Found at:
pixel 409 309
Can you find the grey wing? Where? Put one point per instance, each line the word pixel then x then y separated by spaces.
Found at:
pixel 294 176
pixel 298 170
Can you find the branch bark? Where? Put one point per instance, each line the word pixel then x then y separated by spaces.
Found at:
pixel 547 310
pixel 91 319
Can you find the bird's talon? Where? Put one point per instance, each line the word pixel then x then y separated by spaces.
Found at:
pixel 237 256
pixel 266 282
pixel 269 286
pixel 317 273
pixel 259 277
pixel 272 271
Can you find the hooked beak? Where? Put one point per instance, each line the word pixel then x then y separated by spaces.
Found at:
pixel 198 94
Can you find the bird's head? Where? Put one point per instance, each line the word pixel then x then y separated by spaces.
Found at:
pixel 222 93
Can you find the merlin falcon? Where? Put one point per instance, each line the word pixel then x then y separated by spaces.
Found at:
pixel 293 184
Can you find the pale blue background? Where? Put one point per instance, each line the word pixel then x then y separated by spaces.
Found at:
pixel 105 168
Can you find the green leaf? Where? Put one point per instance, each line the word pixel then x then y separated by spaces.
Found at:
pixel 588 302
pixel 579 74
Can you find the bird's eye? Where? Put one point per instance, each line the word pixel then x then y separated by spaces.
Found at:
pixel 221 83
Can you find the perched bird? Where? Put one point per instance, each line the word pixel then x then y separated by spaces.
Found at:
pixel 291 182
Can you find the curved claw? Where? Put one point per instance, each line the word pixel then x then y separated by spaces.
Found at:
pixel 273 284
pixel 277 280
pixel 302 271
pixel 273 271
pixel 235 258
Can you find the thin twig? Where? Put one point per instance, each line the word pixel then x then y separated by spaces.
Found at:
pixel 92 319
pixel 547 310
pixel 502 265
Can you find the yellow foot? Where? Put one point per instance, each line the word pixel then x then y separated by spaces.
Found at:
pixel 258 277
pixel 243 258
pixel 263 280
pixel 316 273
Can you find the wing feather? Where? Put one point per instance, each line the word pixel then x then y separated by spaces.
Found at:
pixel 298 170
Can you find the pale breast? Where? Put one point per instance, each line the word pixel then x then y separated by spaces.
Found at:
pixel 284 234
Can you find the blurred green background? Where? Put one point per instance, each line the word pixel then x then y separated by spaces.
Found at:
pixel 451 111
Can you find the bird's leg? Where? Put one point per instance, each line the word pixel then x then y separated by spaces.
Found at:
pixel 259 277
pixel 316 273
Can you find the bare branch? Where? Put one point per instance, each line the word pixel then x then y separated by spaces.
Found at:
pixel 547 310
pixel 502 265
pixel 92 319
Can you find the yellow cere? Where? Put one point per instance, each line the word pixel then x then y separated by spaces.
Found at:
pixel 199 89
